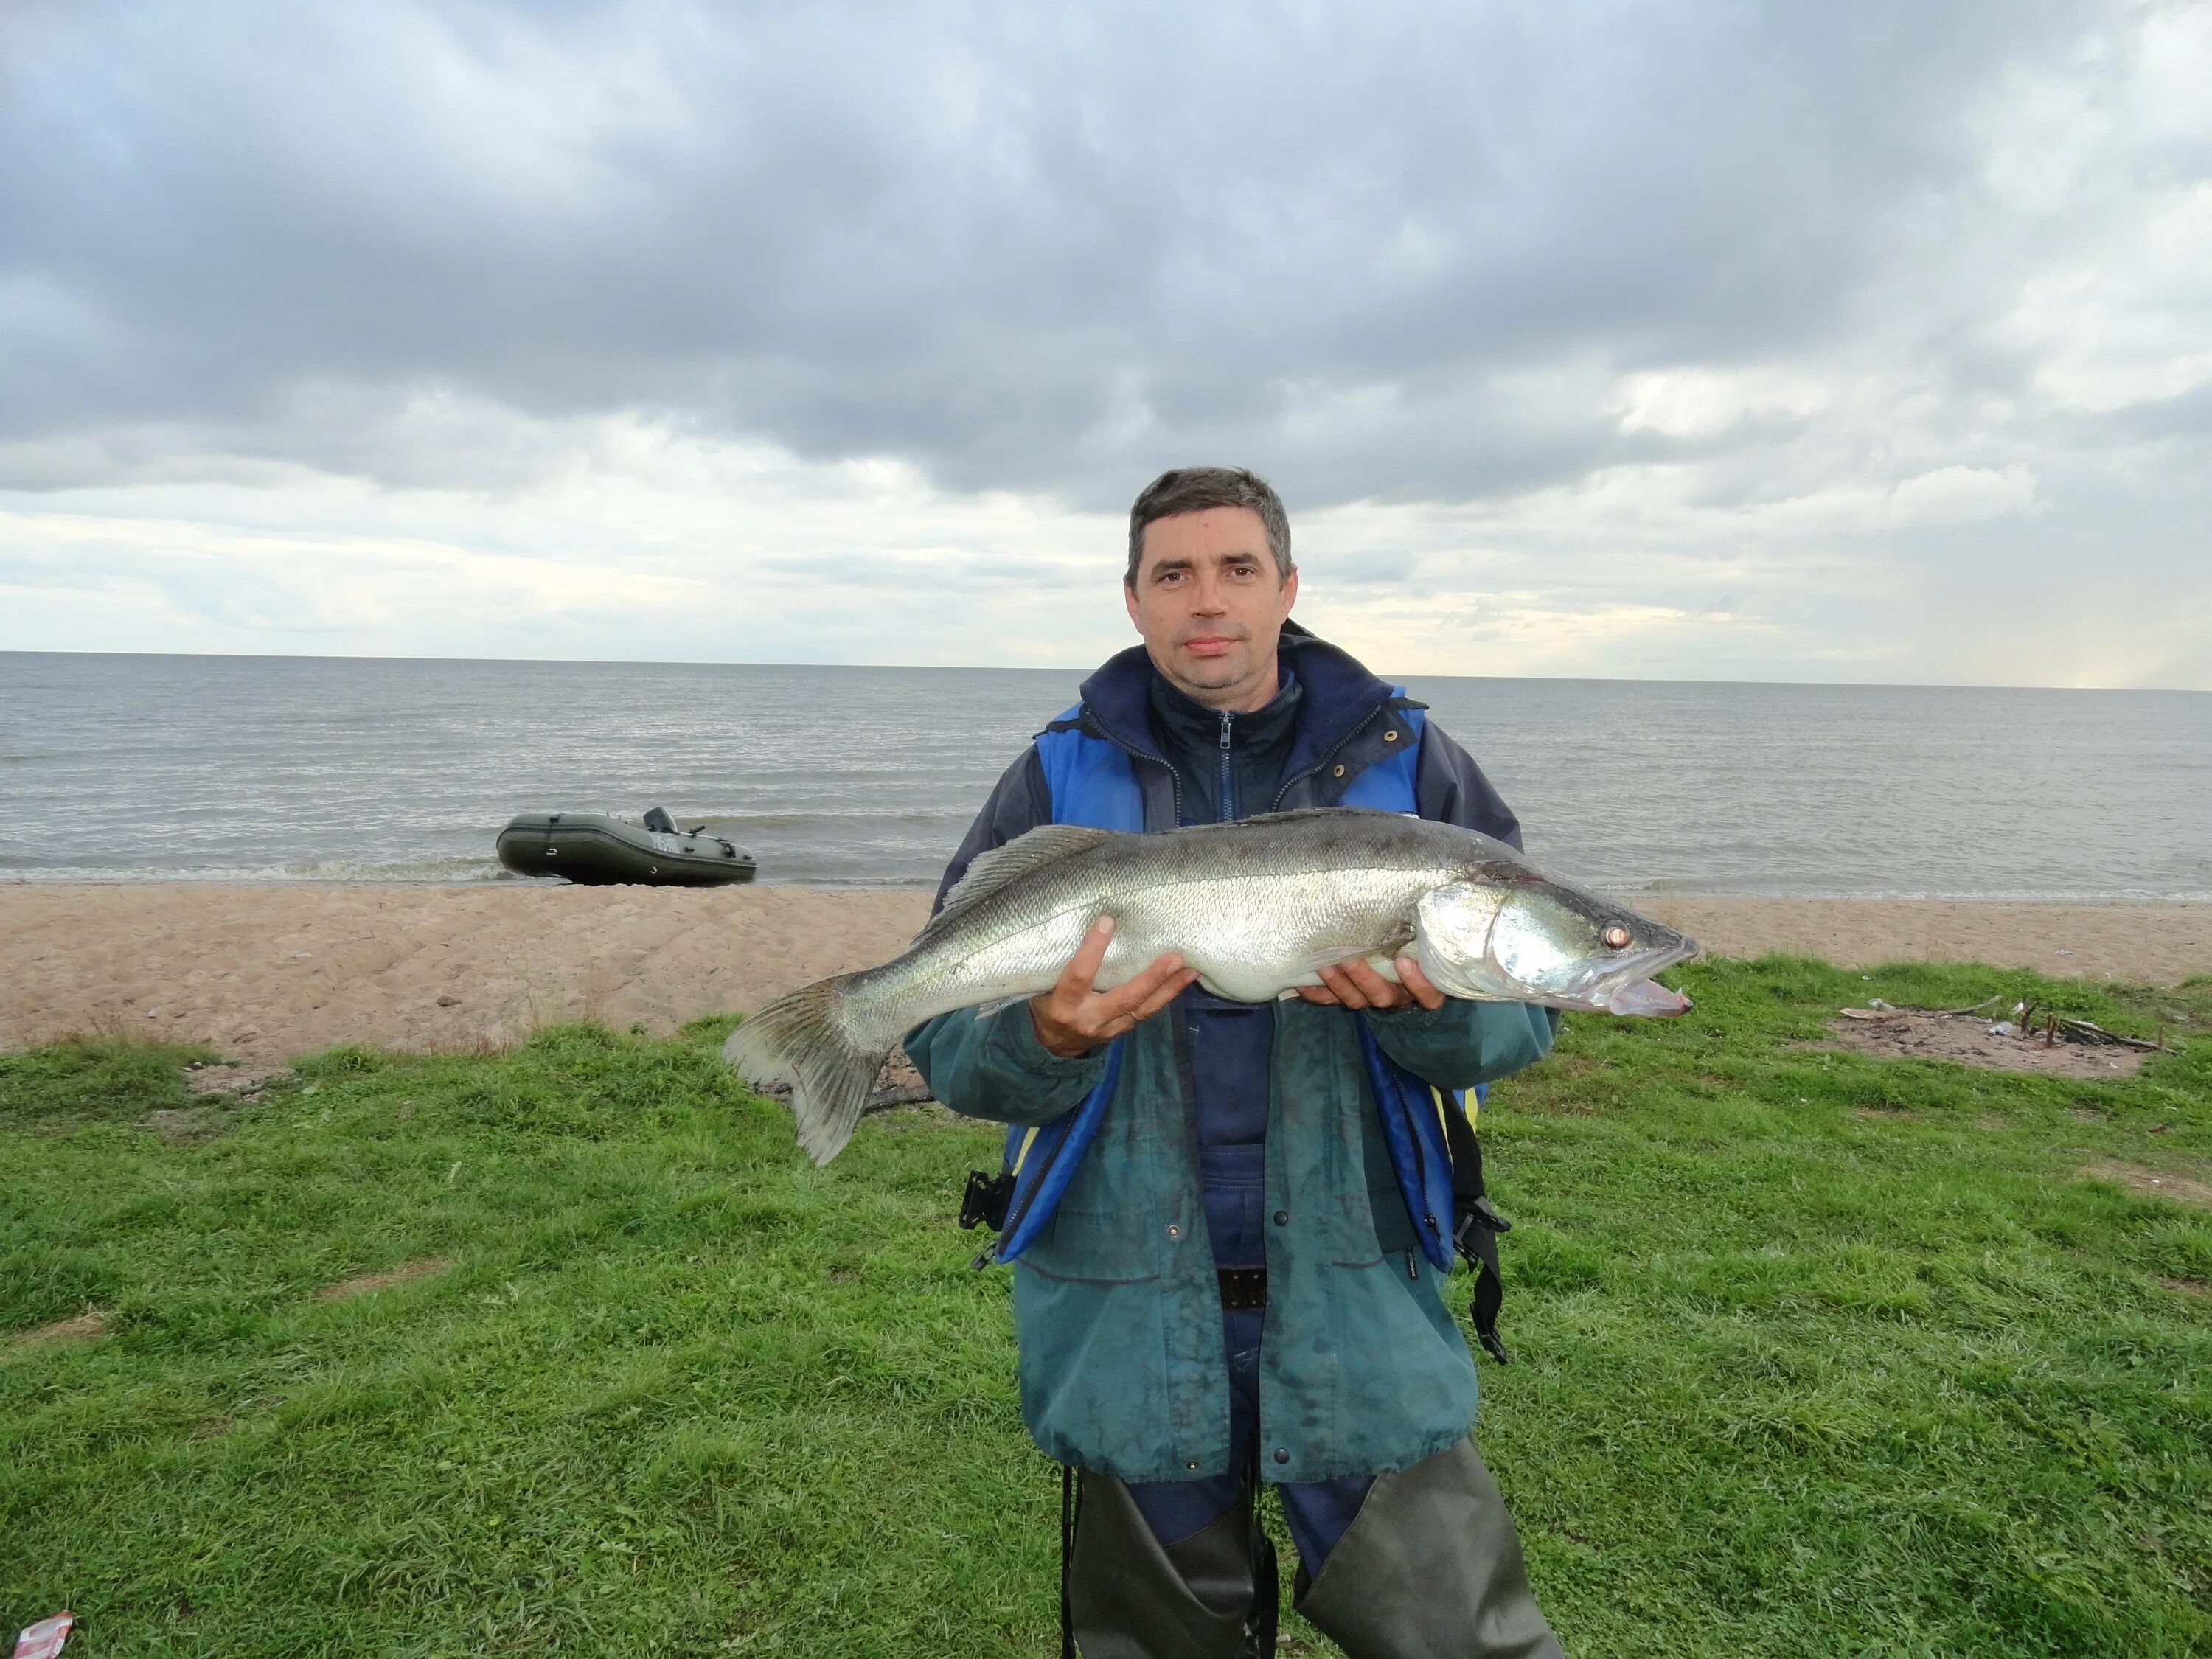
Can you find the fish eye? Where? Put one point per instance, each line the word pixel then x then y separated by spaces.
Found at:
pixel 1616 937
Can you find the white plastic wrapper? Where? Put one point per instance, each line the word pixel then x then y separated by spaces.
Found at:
pixel 44 1640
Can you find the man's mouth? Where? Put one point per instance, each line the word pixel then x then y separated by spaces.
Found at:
pixel 1209 645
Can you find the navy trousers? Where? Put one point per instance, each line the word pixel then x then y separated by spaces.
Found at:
pixel 1233 1181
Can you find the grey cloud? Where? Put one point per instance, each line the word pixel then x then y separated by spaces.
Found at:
pixel 1024 248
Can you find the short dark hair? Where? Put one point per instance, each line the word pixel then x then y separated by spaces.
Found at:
pixel 1193 489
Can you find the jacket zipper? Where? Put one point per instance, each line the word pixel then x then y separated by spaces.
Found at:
pixel 1228 813
pixel 1420 1175
pixel 1014 1221
pixel 1175 782
pixel 1335 749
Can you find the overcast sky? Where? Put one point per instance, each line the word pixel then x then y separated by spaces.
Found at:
pixel 1856 341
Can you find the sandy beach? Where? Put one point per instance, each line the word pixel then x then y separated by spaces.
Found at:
pixel 265 972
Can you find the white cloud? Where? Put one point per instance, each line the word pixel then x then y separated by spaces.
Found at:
pixel 836 334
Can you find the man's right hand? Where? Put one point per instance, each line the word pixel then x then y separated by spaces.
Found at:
pixel 1075 1017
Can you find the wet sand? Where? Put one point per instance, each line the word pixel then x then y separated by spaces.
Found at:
pixel 263 973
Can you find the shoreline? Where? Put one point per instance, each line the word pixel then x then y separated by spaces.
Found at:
pixel 262 971
pixel 1642 897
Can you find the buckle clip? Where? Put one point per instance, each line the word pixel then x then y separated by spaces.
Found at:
pixel 1477 1213
pixel 984 1203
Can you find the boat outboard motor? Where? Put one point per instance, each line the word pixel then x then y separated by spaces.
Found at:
pixel 656 818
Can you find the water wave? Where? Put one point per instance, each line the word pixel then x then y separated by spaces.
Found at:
pixel 361 771
pixel 421 871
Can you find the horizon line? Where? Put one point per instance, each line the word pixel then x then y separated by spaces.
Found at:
pixel 1021 668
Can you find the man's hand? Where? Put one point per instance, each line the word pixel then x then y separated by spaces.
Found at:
pixel 1355 984
pixel 1075 1017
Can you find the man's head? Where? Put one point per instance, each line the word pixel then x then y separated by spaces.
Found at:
pixel 1210 581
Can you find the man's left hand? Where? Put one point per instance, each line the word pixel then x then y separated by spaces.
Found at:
pixel 1354 984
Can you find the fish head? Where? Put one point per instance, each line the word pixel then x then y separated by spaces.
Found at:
pixel 1531 940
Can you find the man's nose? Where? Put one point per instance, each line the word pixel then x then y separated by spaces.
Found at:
pixel 1212 597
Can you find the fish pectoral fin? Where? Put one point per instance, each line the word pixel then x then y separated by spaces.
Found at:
pixel 985 1010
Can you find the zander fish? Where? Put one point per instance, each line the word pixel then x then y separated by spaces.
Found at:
pixel 1256 907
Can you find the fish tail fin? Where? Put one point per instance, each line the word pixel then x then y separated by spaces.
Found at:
pixel 811 1041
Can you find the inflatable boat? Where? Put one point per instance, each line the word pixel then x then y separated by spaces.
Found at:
pixel 596 848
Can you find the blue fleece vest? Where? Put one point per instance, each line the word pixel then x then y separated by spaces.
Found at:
pixel 1092 781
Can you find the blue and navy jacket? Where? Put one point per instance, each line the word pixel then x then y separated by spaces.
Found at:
pixel 1115 1307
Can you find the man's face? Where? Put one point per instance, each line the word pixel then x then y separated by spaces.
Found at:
pixel 1209 606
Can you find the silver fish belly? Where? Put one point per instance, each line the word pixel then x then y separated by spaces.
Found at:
pixel 1256 907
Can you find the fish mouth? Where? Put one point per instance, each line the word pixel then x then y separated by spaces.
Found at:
pixel 1647 997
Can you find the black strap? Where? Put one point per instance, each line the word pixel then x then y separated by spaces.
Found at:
pixel 1071 1513
pixel 1260 1627
pixel 1475 1226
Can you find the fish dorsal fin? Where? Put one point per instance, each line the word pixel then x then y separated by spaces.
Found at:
pixel 1048 843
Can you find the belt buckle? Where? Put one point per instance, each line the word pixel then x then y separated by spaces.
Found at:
pixel 1243 1287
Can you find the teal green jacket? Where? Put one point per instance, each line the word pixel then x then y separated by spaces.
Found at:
pixel 1117 1306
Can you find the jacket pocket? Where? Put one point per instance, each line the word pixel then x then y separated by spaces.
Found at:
pixel 1422 1397
pixel 1393 1228
pixel 1094 1373
pixel 1095 1246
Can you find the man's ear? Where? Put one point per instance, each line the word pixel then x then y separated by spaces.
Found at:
pixel 1290 593
pixel 1129 599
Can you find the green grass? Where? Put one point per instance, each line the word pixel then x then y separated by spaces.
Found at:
pixel 1815 1353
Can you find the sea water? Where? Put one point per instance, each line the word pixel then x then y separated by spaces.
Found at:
pixel 264 768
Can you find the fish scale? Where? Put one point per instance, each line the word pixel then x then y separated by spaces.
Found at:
pixel 1256 907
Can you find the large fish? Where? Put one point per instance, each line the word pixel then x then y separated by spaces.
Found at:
pixel 1254 907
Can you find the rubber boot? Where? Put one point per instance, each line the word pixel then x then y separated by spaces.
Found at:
pixel 1431 1568
pixel 1131 1596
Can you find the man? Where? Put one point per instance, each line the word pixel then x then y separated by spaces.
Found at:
pixel 1231 1285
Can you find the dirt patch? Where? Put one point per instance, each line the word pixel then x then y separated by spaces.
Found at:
pixel 230 1077
pixel 187 1125
pixel 2159 1183
pixel 1909 1034
pixel 2188 1287
pixel 405 1272
pixel 82 1329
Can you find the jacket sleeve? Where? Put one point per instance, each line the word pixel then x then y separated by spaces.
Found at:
pixel 1463 1044
pixel 993 1066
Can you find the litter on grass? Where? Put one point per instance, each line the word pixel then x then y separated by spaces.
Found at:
pixel 2028 1041
pixel 44 1640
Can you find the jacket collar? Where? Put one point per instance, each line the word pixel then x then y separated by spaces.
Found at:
pixel 1185 723
pixel 1340 696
